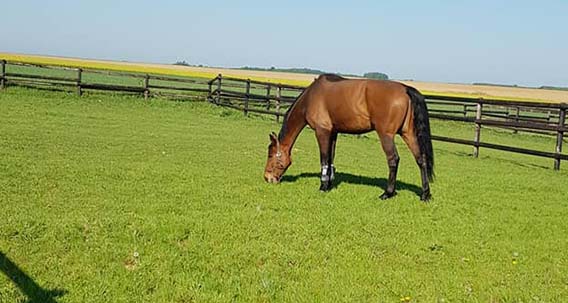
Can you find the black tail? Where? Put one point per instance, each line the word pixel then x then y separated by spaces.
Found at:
pixel 422 128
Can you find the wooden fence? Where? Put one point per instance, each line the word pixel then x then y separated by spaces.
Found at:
pixel 547 119
pixel 250 96
pixel 256 97
pixel 81 79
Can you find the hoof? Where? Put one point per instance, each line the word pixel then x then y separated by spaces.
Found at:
pixel 426 197
pixel 325 187
pixel 387 195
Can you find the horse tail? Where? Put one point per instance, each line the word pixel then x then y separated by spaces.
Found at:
pixel 422 128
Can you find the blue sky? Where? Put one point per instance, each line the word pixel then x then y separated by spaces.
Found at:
pixel 514 42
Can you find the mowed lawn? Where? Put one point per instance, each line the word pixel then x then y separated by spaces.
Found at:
pixel 115 199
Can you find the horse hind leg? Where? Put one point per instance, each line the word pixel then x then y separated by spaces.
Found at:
pixel 412 144
pixel 387 142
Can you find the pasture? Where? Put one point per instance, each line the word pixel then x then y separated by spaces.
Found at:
pixel 109 198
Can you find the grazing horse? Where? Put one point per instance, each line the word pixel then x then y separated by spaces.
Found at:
pixel 333 104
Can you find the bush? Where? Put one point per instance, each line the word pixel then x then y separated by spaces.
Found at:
pixel 376 75
pixel 184 63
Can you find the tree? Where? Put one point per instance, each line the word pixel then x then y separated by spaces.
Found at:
pixel 184 63
pixel 376 75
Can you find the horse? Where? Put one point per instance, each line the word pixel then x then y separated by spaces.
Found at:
pixel 333 104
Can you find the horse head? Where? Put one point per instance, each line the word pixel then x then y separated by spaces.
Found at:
pixel 278 160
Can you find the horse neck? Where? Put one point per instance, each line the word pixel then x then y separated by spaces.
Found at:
pixel 293 124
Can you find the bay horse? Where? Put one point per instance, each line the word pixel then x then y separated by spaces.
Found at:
pixel 333 104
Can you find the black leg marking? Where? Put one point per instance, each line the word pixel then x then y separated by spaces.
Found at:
pixel 426 196
pixel 391 186
pixel 326 178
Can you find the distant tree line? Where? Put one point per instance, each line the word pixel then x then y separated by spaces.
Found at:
pixel 304 70
pixel 300 70
pixel 554 87
pixel 515 85
pixel 184 63
pixel 495 84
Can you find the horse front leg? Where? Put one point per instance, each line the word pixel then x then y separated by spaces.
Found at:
pixel 332 156
pixel 324 141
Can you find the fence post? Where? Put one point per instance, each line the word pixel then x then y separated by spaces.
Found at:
pixel 560 135
pixel 3 75
pixel 477 128
pixel 146 87
pixel 549 117
pixel 210 94
pixel 79 76
pixel 465 110
pixel 268 97
pixel 517 115
pixel 219 78
pixel 247 93
pixel 278 97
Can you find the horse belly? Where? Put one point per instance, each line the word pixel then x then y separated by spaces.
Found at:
pixel 356 123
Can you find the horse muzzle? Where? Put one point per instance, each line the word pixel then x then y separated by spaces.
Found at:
pixel 271 179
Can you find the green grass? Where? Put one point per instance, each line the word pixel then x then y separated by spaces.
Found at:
pixel 113 199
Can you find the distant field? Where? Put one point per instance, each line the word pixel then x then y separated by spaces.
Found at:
pixel 486 91
pixel 176 70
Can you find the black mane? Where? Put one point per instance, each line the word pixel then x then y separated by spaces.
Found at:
pixel 284 128
pixel 332 77
pixel 328 77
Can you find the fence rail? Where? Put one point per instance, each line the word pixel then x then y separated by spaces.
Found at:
pixel 82 79
pixel 533 117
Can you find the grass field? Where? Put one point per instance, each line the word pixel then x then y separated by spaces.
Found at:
pixel 444 89
pixel 113 199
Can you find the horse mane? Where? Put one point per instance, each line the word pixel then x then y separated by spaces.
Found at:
pixel 284 128
pixel 332 77
pixel 327 77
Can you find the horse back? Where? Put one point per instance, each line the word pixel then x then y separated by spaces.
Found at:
pixel 356 105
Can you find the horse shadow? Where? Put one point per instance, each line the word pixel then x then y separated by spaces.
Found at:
pixel 502 159
pixel 341 177
pixel 33 291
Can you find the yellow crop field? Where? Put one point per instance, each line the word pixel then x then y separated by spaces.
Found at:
pixel 432 88
pixel 151 68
